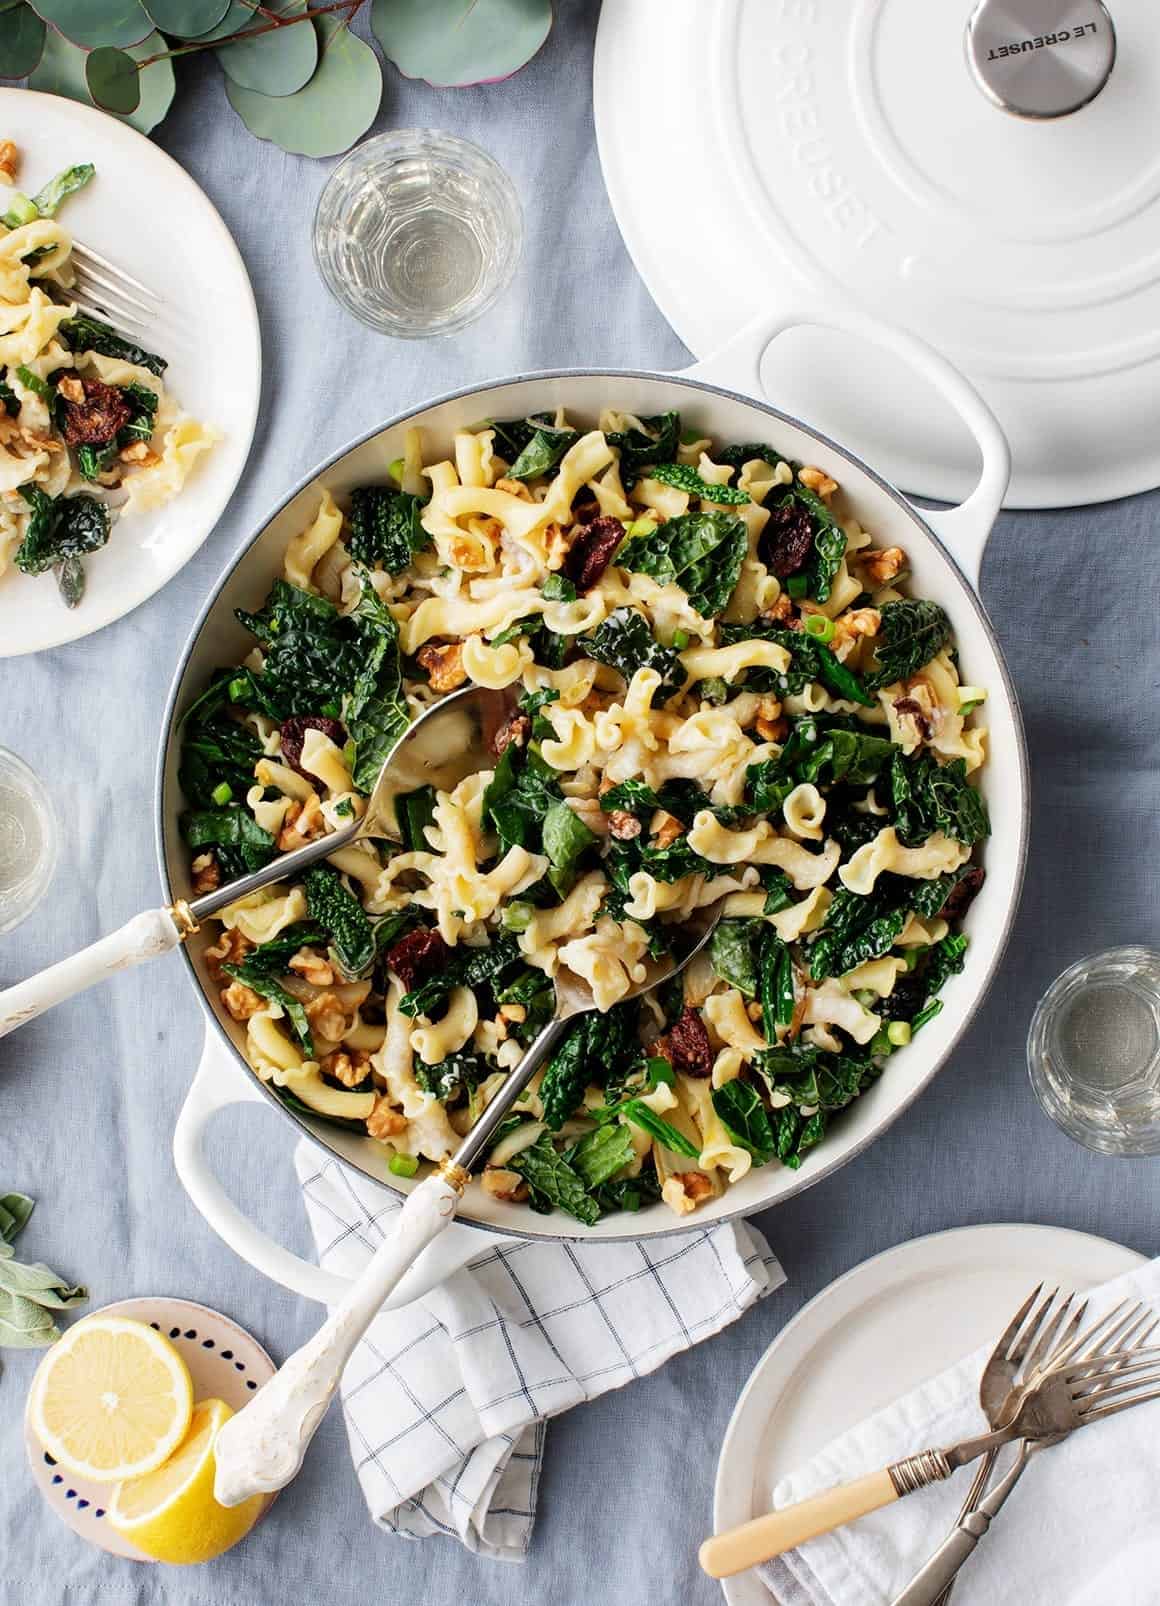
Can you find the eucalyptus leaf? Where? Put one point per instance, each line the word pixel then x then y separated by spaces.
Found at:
pixel 239 15
pixel 21 41
pixel 452 43
pixel 188 19
pixel 15 1209
pixel 114 22
pixel 62 72
pixel 113 80
pixel 276 63
pixel 28 1294
pixel 335 108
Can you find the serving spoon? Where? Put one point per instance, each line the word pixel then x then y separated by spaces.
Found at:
pixel 261 1449
pixel 448 741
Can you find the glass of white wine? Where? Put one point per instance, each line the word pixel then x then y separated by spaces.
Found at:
pixel 1093 1051
pixel 28 840
pixel 417 232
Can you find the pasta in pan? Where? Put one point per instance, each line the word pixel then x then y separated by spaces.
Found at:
pixel 721 693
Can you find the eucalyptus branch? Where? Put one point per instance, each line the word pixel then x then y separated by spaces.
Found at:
pixel 351 7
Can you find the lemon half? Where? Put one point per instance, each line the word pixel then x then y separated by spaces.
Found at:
pixel 171 1514
pixel 112 1399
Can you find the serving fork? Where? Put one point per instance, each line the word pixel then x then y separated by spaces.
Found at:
pixel 1059 1377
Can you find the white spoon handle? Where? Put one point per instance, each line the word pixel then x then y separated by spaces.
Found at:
pixel 261 1449
pixel 143 937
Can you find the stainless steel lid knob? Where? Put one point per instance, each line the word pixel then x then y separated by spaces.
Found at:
pixel 1041 58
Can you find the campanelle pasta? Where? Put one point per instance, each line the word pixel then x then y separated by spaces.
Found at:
pixel 88 431
pixel 719 694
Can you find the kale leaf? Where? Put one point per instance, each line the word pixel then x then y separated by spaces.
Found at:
pixel 929 796
pixel 238 841
pixel 566 840
pixel 809 660
pixel 260 981
pixel 84 333
pixel 467 967
pixel 541 453
pixel 829 539
pixel 454 1078
pixel 735 954
pixel 681 798
pixel 700 552
pixel 385 527
pixel 61 530
pixel 273 958
pixel 599 1155
pixel 313 654
pixel 343 917
pixel 377 714
pixel 517 799
pixel 216 749
pixel 655 442
pixel 597 1049
pixel 686 478
pixel 739 454
pixel 821 750
pixel 625 643
pixel 745 1118
pixel 549 1175
pixel 912 632
pixel 857 928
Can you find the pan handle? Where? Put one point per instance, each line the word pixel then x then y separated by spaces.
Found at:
pixel 219 1085
pixel 964 529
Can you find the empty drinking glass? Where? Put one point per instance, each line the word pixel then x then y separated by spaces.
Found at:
pixel 28 840
pixel 1093 1051
pixel 417 232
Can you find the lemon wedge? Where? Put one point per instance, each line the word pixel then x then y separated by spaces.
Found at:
pixel 171 1514
pixel 112 1399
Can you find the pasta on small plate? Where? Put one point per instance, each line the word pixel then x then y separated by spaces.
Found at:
pixel 723 695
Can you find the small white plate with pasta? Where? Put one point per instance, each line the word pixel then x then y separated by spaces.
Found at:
pixel 119 447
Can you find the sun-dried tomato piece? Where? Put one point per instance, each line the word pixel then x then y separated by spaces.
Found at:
pixel 416 956
pixel 97 419
pixel 688 1044
pixel 294 731
pixel 787 539
pixel 962 894
pixel 591 551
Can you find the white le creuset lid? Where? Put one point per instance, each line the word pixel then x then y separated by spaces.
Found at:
pixel 1006 207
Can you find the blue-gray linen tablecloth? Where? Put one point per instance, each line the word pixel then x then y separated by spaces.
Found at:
pixel 88 1095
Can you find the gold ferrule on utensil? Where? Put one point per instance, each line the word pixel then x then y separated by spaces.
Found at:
pixel 931 1466
pixel 182 916
pixel 454 1175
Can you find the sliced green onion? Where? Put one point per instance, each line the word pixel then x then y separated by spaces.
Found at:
pixel 518 916
pixel 690 437
pixel 932 1009
pixel 680 639
pixel 402 1165
pixel 238 689
pixel 21 209
pixel 899 1033
pixel 640 527
pixel 818 626
pixel 332 710
pixel 349 753
pixel 222 793
pixel 970 698
pixel 798 586
pixel 395 470
pixel 659 1070
pixel 866 996
pixel 880 1043
pixel 913 955
pixel 344 808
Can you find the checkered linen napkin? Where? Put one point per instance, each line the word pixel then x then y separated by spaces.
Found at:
pixel 446 1399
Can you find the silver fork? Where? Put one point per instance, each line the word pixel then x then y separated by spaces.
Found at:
pixel 999 1392
pixel 1102 1384
pixel 103 289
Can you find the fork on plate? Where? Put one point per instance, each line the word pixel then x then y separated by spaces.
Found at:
pixel 102 289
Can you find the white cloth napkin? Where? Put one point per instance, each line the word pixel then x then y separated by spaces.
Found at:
pixel 445 1400
pixel 1079 1530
